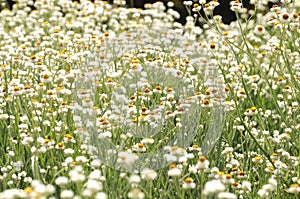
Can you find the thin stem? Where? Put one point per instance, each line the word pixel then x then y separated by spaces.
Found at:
pixel 131 3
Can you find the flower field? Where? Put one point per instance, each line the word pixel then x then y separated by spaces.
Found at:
pixel 104 101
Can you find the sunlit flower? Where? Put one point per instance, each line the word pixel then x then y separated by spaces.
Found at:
pixel 174 171
pixel 188 183
pixel 257 159
pixel 284 17
pixel 294 188
pixel 148 174
pixel 202 163
pixel 259 30
pixel 93 185
pixel 251 111
pixel 235 6
pixel 100 195
pixel 147 141
pixel 213 187
pixel 61 181
pixel 76 175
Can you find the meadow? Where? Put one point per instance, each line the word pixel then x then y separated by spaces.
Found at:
pixel 104 101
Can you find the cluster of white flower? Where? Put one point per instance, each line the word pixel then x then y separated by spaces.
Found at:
pixel 92 91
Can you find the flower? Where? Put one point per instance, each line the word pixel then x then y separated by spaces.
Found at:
pixel 147 141
pixel 294 188
pixel 202 163
pixel 96 174
pixel 174 171
pixel 139 147
pixel 284 17
pixel 76 175
pixel 69 151
pixel 257 159
pixel 188 183
pixel 251 111
pixel 148 174
pixel 67 194
pixel 263 193
pixel 101 195
pixel 196 7
pixel 136 194
pixel 93 185
pixel 213 186
pixel 126 159
pixel 226 195
pixel 228 179
pixel 236 6
pixel 246 185
pixel 259 30
pixel 61 181
pixel 134 179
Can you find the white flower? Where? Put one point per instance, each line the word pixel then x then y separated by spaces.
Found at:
pixel 257 159
pixel 235 6
pixel 227 150
pixel 96 163
pixel 246 185
pixel 96 174
pixel 126 158
pixel 50 189
pixel 100 195
pixel 67 194
pixel 4 116
pixel 69 151
pixel 213 186
pixel 28 179
pixel 170 158
pixel 285 1
pixel 147 141
pixel 188 184
pixel 136 194
pixel 178 151
pixel 87 193
pixel 93 185
pixel 170 4
pixel 174 172
pixel 81 159
pixel 69 160
pixel 263 193
pixel 188 3
pixel 123 175
pixel 10 194
pixel 46 76
pixel 41 189
pixel 148 174
pixel 193 169
pixel 202 163
pixel 76 176
pixel 272 182
pixel 294 188
pixel 134 179
pixel 61 181
pixel 11 154
pixel 259 30
pixel 139 147
pixel 226 195
pixel 284 17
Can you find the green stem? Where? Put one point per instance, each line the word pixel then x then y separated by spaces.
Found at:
pixel 131 3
